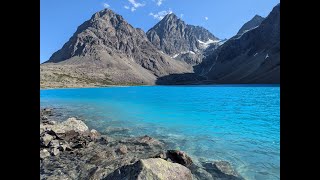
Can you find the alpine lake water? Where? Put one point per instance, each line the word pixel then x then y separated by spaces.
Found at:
pixel 236 123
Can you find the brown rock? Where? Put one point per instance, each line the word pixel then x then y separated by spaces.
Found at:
pixel 94 134
pixel 122 149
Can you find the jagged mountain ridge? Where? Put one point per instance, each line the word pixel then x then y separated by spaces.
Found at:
pixel 252 57
pixel 180 40
pixel 249 58
pixel 254 22
pixel 108 50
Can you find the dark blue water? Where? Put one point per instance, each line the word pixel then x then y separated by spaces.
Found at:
pixel 240 124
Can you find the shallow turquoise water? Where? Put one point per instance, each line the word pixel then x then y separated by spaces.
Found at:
pixel 240 124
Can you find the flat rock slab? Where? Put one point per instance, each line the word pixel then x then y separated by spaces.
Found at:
pixel 151 169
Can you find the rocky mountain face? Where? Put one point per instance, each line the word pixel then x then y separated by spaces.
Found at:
pixel 180 40
pixel 107 50
pixel 254 22
pixel 252 57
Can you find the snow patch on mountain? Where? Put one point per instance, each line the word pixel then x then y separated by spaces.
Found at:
pixel 207 43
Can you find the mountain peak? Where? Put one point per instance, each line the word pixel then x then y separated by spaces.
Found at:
pixel 170 15
pixel 102 13
pixel 174 37
pixel 107 49
pixel 170 18
pixel 96 33
pixel 254 22
pixel 258 17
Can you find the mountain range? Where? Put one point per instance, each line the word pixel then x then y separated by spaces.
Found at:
pixel 107 50
pixel 180 40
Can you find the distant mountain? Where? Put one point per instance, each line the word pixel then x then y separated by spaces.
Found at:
pixel 254 22
pixel 107 50
pixel 252 57
pixel 180 40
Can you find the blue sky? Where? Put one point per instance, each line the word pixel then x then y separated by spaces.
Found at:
pixel 59 19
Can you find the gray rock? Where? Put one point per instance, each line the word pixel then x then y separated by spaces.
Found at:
pixel 52 122
pixel 200 174
pixel 44 153
pixel 78 145
pixel 64 147
pixel 54 144
pixel 94 134
pixel 71 124
pixel 69 135
pixel 74 124
pixel 123 149
pixel 105 139
pixel 45 139
pixel 99 159
pixel 47 110
pixel 177 157
pixel 154 168
pixel 54 151
pixel 42 128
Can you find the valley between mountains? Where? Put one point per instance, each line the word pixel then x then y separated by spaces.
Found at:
pixel 106 50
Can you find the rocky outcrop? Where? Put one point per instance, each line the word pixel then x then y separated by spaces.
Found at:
pixel 70 150
pixel 154 168
pixel 176 156
pixel 107 50
pixel 253 23
pixel 180 40
pixel 71 124
pixel 252 57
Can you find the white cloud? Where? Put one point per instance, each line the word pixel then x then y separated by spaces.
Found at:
pixel 181 15
pixel 206 18
pixel 159 2
pixel 105 5
pixel 160 15
pixel 136 4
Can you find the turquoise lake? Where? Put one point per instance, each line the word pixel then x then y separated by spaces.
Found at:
pixel 237 123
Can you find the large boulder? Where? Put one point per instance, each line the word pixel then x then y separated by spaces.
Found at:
pixel 122 149
pixel 151 169
pixel 74 124
pixel 94 134
pixel 71 124
pixel 176 156
pixel 45 140
pixel 44 153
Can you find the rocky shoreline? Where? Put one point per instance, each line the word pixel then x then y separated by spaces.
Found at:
pixel 70 150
